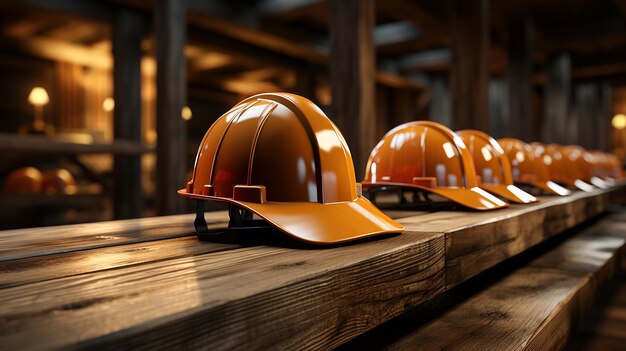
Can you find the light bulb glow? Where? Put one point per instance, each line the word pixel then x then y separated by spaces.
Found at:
pixel 38 96
pixel 108 104
pixel 619 121
pixel 186 113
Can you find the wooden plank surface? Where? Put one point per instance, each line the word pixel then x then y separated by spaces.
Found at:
pixel 604 328
pixel 22 243
pixel 244 298
pixel 531 308
pixel 471 250
pixel 148 282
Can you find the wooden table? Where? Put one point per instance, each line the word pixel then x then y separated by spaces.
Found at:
pixel 150 282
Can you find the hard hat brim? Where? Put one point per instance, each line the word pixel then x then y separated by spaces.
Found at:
pixel 584 186
pixel 600 183
pixel 510 193
pixel 552 188
pixel 474 198
pixel 318 223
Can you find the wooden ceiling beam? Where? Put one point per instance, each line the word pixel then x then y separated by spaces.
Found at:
pixel 57 50
pixel 409 11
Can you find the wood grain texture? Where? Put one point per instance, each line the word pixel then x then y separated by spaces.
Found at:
pixel 149 283
pixel 604 328
pixel 533 308
pixel 472 250
pixel 259 297
pixel 34 269
pixel 22 243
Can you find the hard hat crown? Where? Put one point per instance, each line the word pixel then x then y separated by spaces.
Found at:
pixel 274 147
pixel 277 156
pixel 416 152
pixel 528 169
pixel 524 166
pixel 491 163
pixel 428 157
pixel 493 166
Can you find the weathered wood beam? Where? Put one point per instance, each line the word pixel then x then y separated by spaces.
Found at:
pixel 532 307
pixel 520 65
pixel 128 30
pixel 58 50
pixel 352 75
pixel 469 72
pixel 170 29
pixel 150 262
pixel 228 36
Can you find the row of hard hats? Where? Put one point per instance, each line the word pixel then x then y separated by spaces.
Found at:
pixel 277 156
pixel 460 166
pixel 30 180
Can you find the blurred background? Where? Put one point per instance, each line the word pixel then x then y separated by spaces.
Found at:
pixel 104 103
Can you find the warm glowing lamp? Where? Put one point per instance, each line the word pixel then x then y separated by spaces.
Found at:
pixel 619 121
pixel 108 104
pixel 186 113
pixel 38 97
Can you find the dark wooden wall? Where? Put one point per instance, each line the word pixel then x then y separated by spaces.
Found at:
pixel 352 75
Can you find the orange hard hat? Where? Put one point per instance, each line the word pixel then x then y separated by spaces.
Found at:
pixel 599 169
pixel 278 156
pixel 614 167
pixel 528 170
pixel 600 164
pixel 25 180
pixel 560 169
pixel 581 163
pixel 427 156
pixel 58 181
pixel 493 166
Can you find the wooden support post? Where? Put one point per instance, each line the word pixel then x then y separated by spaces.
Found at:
pixel 170 29
pixel 306 82
pixel 127 34
pixel 591 115
pixel 352 75
pixel 603 117
pixel 469 71
pixel 557 100
pixel 520 52
pixel 585 107
pixel 440 108
pixel 499 112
